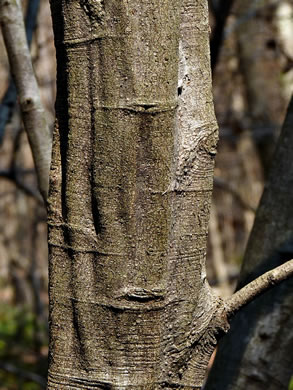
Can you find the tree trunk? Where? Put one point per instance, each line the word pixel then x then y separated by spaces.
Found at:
pixel 261 69
pixel 129 302
pixel 130 192
pixel 257 352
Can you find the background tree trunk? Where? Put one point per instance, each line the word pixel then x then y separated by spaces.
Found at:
pixel 259 61
pixel 257 352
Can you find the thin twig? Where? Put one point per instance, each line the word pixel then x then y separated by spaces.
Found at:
pixel 224 185
pixel 19 372
pixel 257 287
pixel 12 176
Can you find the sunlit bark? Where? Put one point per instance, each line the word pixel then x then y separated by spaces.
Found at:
pixel 130 191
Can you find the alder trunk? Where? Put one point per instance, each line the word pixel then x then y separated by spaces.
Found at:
pixel 130 190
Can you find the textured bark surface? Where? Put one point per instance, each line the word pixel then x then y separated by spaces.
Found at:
pixel 257 352
pixel 130 189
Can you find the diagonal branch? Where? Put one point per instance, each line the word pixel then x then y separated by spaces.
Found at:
pixel 224 185
pixel 257 287
pixel 14 177
pixel 33 114
pixel 9 99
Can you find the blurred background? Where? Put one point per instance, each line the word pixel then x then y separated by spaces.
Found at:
pixel 252 64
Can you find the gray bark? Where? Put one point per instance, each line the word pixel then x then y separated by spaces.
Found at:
pixel 130 192
pixel 128 220
pixel 257 352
